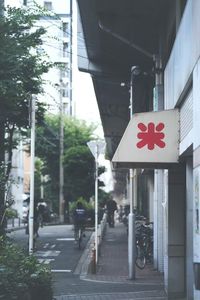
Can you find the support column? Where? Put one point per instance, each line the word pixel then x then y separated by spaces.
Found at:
pixel 189 228
pixel 176 282
pixel 158 104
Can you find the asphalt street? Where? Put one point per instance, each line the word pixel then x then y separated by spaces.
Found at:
pixel 56 247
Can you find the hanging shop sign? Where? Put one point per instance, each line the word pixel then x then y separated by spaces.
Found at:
pixel 150 138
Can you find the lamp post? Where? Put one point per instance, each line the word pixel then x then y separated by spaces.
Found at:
pixel 133 195
pixel 96 147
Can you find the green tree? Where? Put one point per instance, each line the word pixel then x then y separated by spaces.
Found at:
pixel 78 160
pixel 21 70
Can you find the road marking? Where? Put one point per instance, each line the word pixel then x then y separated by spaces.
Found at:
pixel 52 246
pixel 61 271
pixel 47 253
pixel 46 245
pixel 46 261
pixel 65 239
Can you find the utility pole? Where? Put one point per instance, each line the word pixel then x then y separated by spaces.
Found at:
pixel 61 169
pixel 31 205
pixel 96 202
pixel 96 147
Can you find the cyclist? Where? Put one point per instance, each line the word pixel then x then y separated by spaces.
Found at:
pixel 79 217
pixel 111 206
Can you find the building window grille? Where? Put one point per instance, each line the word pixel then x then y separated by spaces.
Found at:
pixel 48 5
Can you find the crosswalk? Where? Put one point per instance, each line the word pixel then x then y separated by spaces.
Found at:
pixel 47 255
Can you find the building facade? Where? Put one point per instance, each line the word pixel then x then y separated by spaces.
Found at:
pixel 162 36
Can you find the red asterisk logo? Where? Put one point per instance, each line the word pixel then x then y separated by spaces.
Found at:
pixel 151 135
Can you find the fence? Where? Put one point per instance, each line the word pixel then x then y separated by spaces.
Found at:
pixel 14 224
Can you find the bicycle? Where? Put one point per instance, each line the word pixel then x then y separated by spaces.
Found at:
pixel 79 234
pixel 144 246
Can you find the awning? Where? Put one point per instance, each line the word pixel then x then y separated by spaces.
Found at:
pixel 151 140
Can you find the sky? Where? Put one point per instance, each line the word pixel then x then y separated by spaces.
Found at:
pixel 86 107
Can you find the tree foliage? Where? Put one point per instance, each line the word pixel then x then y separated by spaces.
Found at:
pixel 78 160
pixel 21 70
pixel 21 66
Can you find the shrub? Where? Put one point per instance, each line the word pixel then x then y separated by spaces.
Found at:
pixel 11 213
pixel 84 202
pixel 22 277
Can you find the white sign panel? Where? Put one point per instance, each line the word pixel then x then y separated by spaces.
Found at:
pixel 151 137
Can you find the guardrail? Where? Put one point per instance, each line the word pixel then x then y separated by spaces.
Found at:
pixel 14 224
pixel 92 251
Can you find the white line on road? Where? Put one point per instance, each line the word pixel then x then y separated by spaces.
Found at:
pixel 65 239
pixel 52 246
pixel 61 271
pixel 47 253
pixel 45 261
pixel 46 245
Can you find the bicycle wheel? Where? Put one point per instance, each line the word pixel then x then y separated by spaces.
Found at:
pixel 140 260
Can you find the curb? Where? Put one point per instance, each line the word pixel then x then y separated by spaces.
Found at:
pixel 86 262
pixel 9 230
pixel 83 266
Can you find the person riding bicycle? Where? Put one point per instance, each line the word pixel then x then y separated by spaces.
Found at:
pixel 79 217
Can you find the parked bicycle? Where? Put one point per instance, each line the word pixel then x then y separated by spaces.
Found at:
pixel 144 245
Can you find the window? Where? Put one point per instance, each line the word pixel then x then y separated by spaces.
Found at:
pixel 64 72
pixel 48 5
pixel 66 108
pixel 65 49
pixel 24 2
pixel 65 92
pixel 65 29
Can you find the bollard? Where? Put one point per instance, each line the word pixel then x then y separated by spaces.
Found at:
pixel 13 222
pixel 93 265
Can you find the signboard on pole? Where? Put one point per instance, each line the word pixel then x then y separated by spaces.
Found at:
pixel 151 139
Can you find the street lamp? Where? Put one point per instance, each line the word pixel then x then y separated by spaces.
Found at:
pixel 96 147
pixel 133 194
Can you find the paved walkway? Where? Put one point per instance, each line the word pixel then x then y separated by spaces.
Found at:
pixel 113 261
pixel 111 279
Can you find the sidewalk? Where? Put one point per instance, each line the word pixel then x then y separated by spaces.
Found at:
pixel 113 266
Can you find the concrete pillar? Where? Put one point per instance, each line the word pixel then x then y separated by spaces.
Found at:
pixel 176 281
pixel 158 220
pixel 158 104
pixel 189 229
